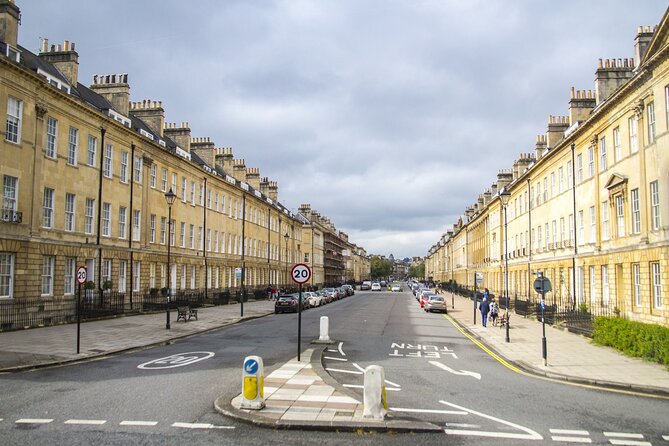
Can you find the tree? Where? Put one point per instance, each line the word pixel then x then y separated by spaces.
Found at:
pixel 380 267
pixel 417 270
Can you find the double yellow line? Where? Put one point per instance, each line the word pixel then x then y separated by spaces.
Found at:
pixel 513 368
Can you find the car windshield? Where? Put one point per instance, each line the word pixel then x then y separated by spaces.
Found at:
pixel 436 299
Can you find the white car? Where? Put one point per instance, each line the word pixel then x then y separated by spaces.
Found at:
pixel 313 298
pixel 376 286
pixel 396 287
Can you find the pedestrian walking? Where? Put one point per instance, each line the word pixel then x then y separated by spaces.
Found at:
pixel 494 311
pixel 484 306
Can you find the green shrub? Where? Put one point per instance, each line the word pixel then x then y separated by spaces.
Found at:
pixel 635 339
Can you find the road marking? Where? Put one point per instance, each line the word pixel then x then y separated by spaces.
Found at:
pixel 392 383
pixel 529 433
pixel 568 432
pixel 473 426
pixel 335 359
pixel 200 426
pixel 358 367
pixel 442 412
pixel 665 437
pixel 98 422
pixel 138 423
pixel 176 360
pixel 358 386
pixel 352 372
pixel 622 435
pixel 630 442
pixel 571 439
pixel 34 420
pixel 341 352
pixel 455 372
pixel 544 378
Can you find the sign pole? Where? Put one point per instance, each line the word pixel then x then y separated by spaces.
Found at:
pixel 299 323
pixel 474 298
pixel 78 316
pixel 544 352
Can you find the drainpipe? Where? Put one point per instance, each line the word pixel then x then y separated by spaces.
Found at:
pixel 103 131
pixel 573 193
pixel 132 184
pixel 204 245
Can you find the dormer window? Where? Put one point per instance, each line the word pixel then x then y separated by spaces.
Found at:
pixel 147 134
pixel 54 81
pixel 11 52
pixel 119 117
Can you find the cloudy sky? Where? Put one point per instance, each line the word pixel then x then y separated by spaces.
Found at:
pixel 389 117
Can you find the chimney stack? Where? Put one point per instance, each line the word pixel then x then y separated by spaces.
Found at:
pixel 204 148
pixel 305 209
pixel 64 58
pixel 273 190
pixel 152 113
pixel 504 178
pixel 641 42
pixel 581 104
pixel 253 177
pixel 610 75
pixel 10 15
pixel 178 134
pixel 557 125
pixel 223 159
pixel 239 170
pixel 114 88
pixel 540 147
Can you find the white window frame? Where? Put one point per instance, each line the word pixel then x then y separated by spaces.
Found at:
pixel 10 194
pixel 152 228
pixel 191 237
pixel 108 161
pixel 636 284
pixel 89 215
pixel 70 267
pixel 632 125
pixel 579 168
pixel 47 208
pixel 636 212
pixel 136 276
pixel 591 162
pixel 123 170
pixel 182 237
pixel 51 149
pixel 122 276
pixel 73 146
pixel 620 215
pixel 139 163
pixel 163 230
pixel 605 220
pixel 48 267
pixel 617 145
pixel 606 297
pixel 70 212
pixel 593 225
pixel 14 120
pixel 656 277
pixel 163 180
pixel 106 219
pixel 650 112
pixel 92 150
pixel 136 225
pixel 603 164
pixel 654 205
pixel 184 184
pixel 6 275
pixel 122 221
pixel 153 176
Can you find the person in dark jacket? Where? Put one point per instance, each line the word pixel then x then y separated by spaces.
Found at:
pixel 484 306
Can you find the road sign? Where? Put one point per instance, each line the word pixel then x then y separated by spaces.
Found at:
pixel 479 278
pixel 238 273
pixel 251 366
pixel 81 274
pixel 539 281
pixel 300 273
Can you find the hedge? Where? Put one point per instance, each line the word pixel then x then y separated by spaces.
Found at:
pixel 635 339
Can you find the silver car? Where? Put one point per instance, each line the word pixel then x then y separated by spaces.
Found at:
pixel 436 303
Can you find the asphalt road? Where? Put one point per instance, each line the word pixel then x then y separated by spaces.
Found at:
pixel 436 374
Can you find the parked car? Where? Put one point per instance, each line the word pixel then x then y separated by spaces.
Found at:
pixel 436 303
pixel 285 304
pixel 313 298
pixel 325 297
pixel 342 292
pixel 424 297
pixel 332 293
pixel 376 286
pixel 349 290
pixel 366 285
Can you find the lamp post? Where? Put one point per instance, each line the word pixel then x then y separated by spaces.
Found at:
pixel 169 197
pixel 504 197
pixel 286 237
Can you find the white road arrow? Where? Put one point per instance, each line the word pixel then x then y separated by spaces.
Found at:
pixel 456 372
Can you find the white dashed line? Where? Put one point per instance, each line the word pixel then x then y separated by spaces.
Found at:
pixel 335 359
pixel 352 372
pixel 568 432
pixel 34 420
pixel 441 412
pixel 138 423
pixel 622 435
pixel 200 426
pixel 463 425
pixel 665 437
pixel 571 439
pixel 358 386
pixel 341 352
pixel 97 422
pixel 630 442
pixel 392 383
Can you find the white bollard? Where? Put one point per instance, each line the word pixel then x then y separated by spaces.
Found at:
pixel 325 329
pixel 375 405
pixel 253 383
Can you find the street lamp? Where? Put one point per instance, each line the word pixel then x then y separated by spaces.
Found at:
pixel 504 197
pixel 286 237
pixel 169 197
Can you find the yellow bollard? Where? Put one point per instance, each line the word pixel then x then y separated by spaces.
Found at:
pixel 253 382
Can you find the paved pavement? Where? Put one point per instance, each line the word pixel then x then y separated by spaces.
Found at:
pixel 302 395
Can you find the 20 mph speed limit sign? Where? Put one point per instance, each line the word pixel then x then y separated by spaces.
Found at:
pixel 81 274
pixel 300 273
